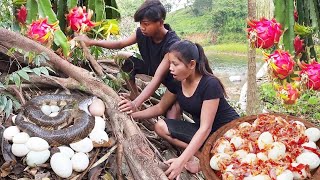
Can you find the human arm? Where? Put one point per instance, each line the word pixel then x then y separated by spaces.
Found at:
pixel 208 113
pixel 119 44
pixel 166 101
pixel 161 72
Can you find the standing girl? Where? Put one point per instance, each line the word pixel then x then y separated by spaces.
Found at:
pixel 199 93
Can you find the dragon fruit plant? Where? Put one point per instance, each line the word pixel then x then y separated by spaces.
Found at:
pixel 264 33
pixel 281 63
pixel 288 92
pixel 21 15
pixel 298 45
pixel 79 19
pixel 41 31
pixel 310 74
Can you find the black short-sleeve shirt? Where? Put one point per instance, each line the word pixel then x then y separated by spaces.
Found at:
pixel 208 88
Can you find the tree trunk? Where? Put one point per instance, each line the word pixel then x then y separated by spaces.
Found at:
pixel 123 127
pixel 252 83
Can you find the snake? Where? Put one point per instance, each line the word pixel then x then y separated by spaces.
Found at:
pixel 39 123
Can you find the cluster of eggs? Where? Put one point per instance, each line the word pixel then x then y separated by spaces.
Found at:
pixel 229 155
pixel 73 157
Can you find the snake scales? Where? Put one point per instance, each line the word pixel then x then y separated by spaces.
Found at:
pixel 82 126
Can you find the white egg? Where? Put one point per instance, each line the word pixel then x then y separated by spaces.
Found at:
pixel 277 151
pixel 97 107
pixel 313 134
pixel 217 158
pixel 262 156
pixel 13 118
pixel 250 158
pixel 54 114
pixel 285 175
pixel 237 141
pixel 67 151
pixel 244 124
pixel 310 159
pixel 240 154
pixel 100 123
pixel 46 109
pixel 19 150
pixel 37 144
pixel 99 136
pixel 54 108
pixel 85 145
pixel 265 140
pixel 80 162
pixel 11 131
pixel 35 158
pixel 309 144
pixel 20 138
pixel 61 165
pixel 224 146
pixel 302 174
pixel 230 133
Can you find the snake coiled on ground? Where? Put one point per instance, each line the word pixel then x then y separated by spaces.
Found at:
pixel 41 125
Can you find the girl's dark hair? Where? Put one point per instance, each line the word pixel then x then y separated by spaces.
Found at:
pixel 152 10
pixel 187 51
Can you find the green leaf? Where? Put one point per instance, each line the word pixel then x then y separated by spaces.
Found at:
pixel 99 10
pixel 16 79
pixel 91 4
pixel 16 104
pixel 44 71
pixel 37 71
pixel 61 40
pixel 26 69
pixel 32 9
pixel 46 57
pixel 51 70
pixel 8 108
pixel 23 74
pixel 71 4
pixel 1 85
pixel 3 103
pixel 62 10
pixel 313 100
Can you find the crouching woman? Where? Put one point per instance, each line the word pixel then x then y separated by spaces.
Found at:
pixel 199 93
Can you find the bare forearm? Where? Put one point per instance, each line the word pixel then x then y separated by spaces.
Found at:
pixel 148 113
pixel 107 44
pixel 147 92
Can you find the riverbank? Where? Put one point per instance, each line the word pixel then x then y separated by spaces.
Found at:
pixel 237 49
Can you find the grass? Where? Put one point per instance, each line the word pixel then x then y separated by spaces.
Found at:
pixel 232 48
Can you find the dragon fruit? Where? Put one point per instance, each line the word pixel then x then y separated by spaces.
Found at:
pixel 22 15
pixel 281 63
pixel 79 19
pixel 289 93
pixel 264 33
pixel 311 72
pixel 298 45
pixel 41 31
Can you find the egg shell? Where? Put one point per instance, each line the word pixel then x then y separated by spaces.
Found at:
pixel 46 109
pixel 61 165
pixel 230 133
pixel 277 151
pixel 37 144
pixel 265 140
pixel 310 144
pixel 54 114
pixel 250 158
pixel 215 159
pixel 54 108
pixel 240 154
pixel 10 131
pixel 285 175
pixel 224 146
pixel 20 138
pixel 100 123
pixel 237 141
pixel 299 174
pixel 66 150
pixel 313 134
pixel 99 136
pixel 97 107
pixel 244 124
pixel 310 159
pixel 19 150
pixel 80 162
pixel 13 118
pixel 35 158
pixel 262 156
pixel 85 145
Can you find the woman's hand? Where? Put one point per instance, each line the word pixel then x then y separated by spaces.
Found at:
pixel 84 38
pixel 125 105
pixel 175 169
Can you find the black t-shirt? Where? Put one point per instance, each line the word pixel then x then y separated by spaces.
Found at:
pixel 152 53
pixel 208 88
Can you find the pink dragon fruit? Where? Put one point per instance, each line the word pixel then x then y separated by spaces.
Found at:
pixel 79 19
pixel 298 45
pixel 289 93
pixel 22 15
pixel 41 31
pixel 281 63
pixel 264 33
pixel 312 74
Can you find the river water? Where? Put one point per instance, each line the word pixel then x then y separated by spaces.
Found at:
pixel 224 66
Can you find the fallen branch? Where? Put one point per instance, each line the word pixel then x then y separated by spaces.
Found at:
pixel 95 65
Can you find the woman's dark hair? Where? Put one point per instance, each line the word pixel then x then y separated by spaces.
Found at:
pixel 187 51
pixel 152 10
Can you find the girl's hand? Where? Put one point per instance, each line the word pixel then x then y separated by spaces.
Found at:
pixel 125 105
pixel 83 38
pixel 175 169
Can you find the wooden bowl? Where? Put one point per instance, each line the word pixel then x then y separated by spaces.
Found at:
pixel 205 156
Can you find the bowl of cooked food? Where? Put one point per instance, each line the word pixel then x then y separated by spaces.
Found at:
pixel 263 147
